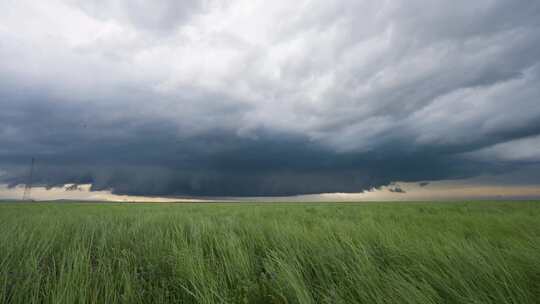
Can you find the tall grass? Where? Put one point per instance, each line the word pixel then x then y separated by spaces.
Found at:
pixel 478 252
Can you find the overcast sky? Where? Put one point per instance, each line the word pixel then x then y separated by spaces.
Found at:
pixel 254 98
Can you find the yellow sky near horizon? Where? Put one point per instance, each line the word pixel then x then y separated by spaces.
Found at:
pixel 440 190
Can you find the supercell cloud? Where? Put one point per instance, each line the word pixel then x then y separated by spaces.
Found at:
pixel 267 97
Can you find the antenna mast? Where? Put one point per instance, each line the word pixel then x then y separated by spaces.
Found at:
pixel 28 186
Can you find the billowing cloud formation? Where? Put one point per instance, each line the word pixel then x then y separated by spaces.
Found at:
pixel 265 98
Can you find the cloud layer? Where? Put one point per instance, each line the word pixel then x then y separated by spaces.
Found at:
pixel 259 98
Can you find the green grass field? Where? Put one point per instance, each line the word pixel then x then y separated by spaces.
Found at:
pixel 476 252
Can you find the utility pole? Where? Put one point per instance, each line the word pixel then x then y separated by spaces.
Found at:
pixel 28 186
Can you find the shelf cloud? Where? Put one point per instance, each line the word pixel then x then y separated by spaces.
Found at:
pixel 254 98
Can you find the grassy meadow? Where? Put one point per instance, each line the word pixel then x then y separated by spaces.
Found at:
pixel 468 252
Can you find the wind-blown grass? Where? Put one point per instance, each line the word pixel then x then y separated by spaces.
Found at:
pixel 478 252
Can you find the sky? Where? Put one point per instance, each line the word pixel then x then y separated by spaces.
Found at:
pixel 342 99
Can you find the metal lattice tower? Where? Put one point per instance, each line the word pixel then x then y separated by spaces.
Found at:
pixel 28 186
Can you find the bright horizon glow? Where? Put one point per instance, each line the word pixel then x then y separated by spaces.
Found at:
pixel 434 191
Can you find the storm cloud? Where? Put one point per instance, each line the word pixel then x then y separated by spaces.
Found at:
pixel 267 98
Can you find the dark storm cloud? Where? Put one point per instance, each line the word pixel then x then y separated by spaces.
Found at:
pixel 207 98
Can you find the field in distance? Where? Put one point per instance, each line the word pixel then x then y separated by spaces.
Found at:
pixel 473 252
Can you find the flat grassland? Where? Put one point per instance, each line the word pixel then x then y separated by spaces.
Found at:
pixel 467 252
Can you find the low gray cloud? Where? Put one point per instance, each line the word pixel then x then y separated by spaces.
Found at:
pixel 396 189
pixel 249 98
